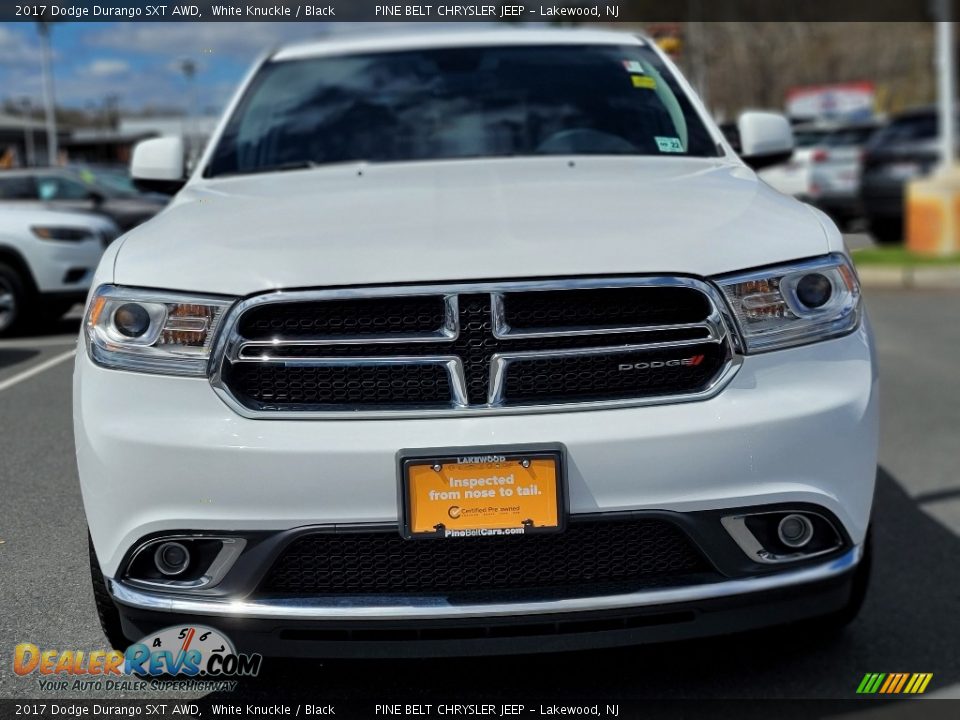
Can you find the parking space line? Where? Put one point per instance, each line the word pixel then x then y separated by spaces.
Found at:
pixel 28 342
pixel 36 369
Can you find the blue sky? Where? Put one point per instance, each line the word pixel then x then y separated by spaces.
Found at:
pixel 138 61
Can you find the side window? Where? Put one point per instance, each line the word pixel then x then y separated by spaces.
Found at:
pixel 52 187
pixel 17 188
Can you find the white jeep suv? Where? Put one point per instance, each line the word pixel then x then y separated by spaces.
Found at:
pixel 475 343
pixel 47 261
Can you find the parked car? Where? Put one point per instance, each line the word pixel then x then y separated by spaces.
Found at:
pixel 835 166
pixel 794 177
pixel 47 259
pixel 79 190
pixel 456 344
pixel 824 170
pixel 904 150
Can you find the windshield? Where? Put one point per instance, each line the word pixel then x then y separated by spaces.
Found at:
pixel 106 184
pixel 110 182
pixel 460 103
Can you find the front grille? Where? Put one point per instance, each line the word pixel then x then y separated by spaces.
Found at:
pixel 467 348
pixel 588 557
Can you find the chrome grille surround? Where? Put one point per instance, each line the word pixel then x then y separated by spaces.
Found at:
pixel 230 347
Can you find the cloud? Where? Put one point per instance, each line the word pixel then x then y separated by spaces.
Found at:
pixel 240 41
pixel 140 62
pixel 106 67
pixel 16 49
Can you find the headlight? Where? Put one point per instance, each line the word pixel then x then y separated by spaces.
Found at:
pixel 152 331
pixel 68 234
pixel 794 304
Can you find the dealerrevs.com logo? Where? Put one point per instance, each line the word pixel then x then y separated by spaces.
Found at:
pixel 189 652
pixel 691 361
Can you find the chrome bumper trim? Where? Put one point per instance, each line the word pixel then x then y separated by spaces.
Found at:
pixel 405 608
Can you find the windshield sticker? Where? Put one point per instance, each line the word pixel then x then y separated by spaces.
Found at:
pixel 642 81
pixel 669 144
pixel 633 66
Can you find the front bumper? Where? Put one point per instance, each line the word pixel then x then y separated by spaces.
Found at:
pixel 793 428
pixel 63 267
pixel 318 628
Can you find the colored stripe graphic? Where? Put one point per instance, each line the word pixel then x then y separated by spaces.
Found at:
pixel 862 687
pixel 903 680
pixel 894 683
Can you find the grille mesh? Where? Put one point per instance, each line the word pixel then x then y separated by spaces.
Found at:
pixel 587 554
pixel 338 318
pixel 598 377
pixel 636 306
pixel 274 385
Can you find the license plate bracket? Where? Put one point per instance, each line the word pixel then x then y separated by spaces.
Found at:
pixel 449 493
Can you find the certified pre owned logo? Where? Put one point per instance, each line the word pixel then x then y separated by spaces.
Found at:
pixel 691 361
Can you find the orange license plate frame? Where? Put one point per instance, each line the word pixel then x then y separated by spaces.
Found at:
pixel 451 494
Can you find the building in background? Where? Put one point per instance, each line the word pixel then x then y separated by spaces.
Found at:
pixel 23 141
pixel 113 146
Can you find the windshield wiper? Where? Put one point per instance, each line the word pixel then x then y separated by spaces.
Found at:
pixel 291 165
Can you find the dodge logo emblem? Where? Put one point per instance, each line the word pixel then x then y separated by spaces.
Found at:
pixel 691 361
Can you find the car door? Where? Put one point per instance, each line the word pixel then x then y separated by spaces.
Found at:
pixel 17 188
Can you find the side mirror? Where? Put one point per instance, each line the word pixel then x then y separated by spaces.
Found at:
pixel 157 165
pixel 96 198
pixel 766 139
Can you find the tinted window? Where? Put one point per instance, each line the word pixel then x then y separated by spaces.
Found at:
pixel 849 137
pixel 54 187
pixel 808 138
pixel 17 188
pixel 460 103
pixel 912 128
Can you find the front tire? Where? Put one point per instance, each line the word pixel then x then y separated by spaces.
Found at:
pixel 106 610
pixel 13 299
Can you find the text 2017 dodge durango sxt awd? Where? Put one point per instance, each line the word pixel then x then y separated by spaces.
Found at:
pixel 483 342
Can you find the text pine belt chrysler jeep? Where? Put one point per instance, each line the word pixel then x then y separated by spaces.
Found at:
pixel 475 343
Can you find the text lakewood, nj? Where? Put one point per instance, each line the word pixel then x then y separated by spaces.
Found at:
pixel 294 11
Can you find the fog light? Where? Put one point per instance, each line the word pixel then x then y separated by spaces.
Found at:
pixel 131 320
pixel 814 290
pixel 171 558
pixel 795 531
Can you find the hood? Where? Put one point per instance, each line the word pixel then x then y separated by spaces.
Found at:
pixel 467 220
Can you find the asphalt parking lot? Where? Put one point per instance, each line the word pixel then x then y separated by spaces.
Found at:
pixel 909 622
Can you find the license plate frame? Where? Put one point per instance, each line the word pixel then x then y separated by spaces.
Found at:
pixel 507 458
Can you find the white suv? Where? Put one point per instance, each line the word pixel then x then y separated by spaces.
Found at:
pixel 472 343
pixel 47 260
